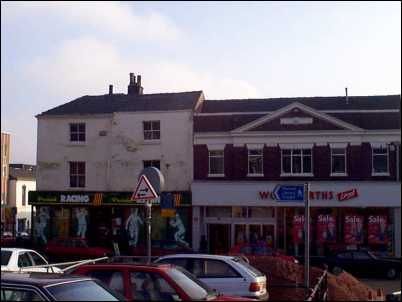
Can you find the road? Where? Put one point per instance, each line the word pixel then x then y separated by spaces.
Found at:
pixel 389 286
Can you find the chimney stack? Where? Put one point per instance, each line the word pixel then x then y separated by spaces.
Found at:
pixel 134 88
pixel 110 89
pixel 346 92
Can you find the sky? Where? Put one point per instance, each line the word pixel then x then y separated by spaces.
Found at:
pixel 54 52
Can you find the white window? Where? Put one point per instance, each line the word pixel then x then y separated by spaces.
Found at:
pixel 380 161
pixel 296 162
pixel 77 132
pixel 255 163
pixel 152 130
pixel 338 161
pixel 216 165
pixel 77 174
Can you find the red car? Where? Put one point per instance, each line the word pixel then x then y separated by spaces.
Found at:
pixel 162 248
pixel 256 249
pixel 154 282
pixel 74 249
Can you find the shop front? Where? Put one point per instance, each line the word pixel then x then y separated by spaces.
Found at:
pixel 343 215
pixel 104 218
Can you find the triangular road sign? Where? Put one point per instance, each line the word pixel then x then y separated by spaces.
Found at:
pixel 144 190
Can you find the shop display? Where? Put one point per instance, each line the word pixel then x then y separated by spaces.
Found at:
pixel 377 229
pixel 326 229
pixel 353 229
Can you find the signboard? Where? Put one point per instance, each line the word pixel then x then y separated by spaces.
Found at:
pixel 326 229
pixel 167 205
pixel 353 229
pixel 144 190
pixel 377 229
pixel 289 193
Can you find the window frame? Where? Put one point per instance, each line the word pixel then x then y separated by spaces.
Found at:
pixel 152 131
pixel 209 163
pixel 250 156
pixel 302 156
pixel 151 161
pixel 373 172
pixel 345 173
pixel 78 132
pixel 77 175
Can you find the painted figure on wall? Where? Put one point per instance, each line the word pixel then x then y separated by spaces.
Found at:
pixel 42 219
pixel 133 227
pixel 177 223
pixel 81 214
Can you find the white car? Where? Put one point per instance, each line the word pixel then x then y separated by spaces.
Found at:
pixel 229 275
pixel 15 259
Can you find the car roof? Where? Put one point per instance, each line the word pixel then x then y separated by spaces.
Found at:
pixel 36 278
pixel 204 256
pixel 124 265
pixel 13 249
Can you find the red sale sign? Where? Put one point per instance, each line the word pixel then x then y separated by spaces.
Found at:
pixel 353 229
pixel 377 229
pixel 326 229
pixel 298 229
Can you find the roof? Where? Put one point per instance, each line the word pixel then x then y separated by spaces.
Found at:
pixel 21 171
pixel 376 102
pixel 202 256
pixel 110 103
pixel 13 249
pixel 41 279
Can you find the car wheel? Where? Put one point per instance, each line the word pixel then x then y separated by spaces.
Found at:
pixel 391 273
pixel 337 270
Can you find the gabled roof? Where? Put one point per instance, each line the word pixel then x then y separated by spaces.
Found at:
pixel 375 102
pixel 258 122
pixel 109 103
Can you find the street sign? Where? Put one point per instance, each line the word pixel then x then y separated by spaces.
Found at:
pixel 289 193
pixel 144 190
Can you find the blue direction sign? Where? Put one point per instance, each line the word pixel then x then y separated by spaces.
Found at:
pixel 289 193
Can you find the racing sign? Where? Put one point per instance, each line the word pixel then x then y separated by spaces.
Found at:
pixel 144 190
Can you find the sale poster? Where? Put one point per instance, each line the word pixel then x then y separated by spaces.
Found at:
pixel 377 229
pixel 353 229
pixel 298 229
pixel 326 228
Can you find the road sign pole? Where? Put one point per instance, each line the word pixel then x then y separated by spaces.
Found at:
pixel 148 205
pixel 306 237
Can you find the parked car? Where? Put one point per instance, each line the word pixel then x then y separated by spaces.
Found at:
pixel 53 287
pixel 249 249
pixel 73 249
pixel 363 263
pixel 15 259
pixel 229 275
pixel 140 282
pixel 161 248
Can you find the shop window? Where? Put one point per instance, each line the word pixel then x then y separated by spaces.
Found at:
pixel 216 164
pixel 77 132
pixel 255 161
pixel 261 212
pixel 296 162
pixel 380 161
pixel 152 130
pixel 218 212
pixel 240 212
pixel 338 161
pixel 24 195
pixel 77 174
pixel 152 163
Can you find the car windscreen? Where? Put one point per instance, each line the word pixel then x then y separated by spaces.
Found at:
pixel 5 257
pixel 249 267
pixel 86 290
pixel 193 287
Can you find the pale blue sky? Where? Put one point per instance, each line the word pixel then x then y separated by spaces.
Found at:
pixel 52 53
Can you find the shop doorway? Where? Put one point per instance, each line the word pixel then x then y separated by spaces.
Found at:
pixel 219 238
pixel 253 233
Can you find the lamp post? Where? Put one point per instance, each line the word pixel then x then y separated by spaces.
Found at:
pixel 148 221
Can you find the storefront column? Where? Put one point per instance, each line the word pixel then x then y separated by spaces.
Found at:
pixel 397 231
pixel 196 228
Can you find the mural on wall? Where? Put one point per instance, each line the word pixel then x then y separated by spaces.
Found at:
pixel 42 219
pixel 180 230
pixel 81 216
pixel 132 227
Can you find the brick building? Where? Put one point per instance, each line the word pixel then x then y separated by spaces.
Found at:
pixel 347 148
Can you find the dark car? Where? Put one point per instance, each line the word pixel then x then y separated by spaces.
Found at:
pixel 73 248
pixel 162 248
pixel 363 263
pixel 152 282
pixel 53 287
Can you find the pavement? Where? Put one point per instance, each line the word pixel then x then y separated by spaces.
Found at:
pixel 389 286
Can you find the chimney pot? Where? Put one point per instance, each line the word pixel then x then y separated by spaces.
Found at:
pixel 110 89
pixel 132 78
pixel 346 92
